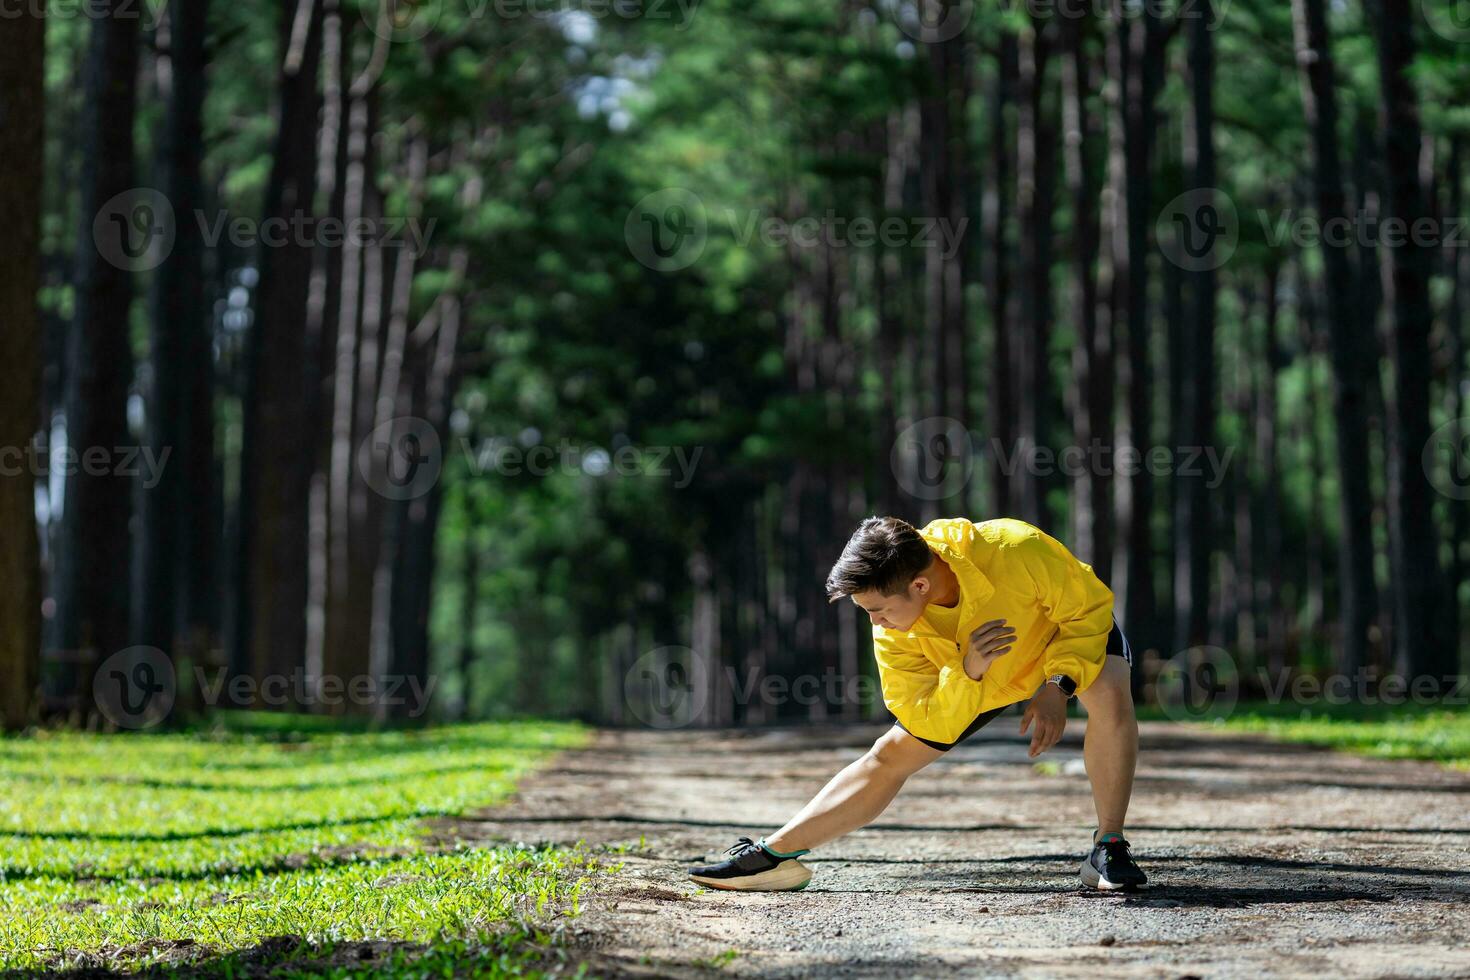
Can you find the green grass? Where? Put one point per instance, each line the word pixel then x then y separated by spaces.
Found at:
pixel 137 851
pixel 1395 732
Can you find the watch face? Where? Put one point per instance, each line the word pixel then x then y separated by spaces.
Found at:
pixel 1068 686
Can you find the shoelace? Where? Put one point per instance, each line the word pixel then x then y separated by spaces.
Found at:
pixel 1113 847
pixel 742 846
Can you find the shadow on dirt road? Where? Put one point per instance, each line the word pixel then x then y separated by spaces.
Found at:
pixel 1266 860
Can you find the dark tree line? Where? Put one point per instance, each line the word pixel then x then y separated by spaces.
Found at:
pixel 273 378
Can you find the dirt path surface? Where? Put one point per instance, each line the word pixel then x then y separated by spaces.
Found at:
pixel 1267 860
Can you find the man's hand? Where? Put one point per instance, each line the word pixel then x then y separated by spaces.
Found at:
pixel 1048 709
pixel 991 640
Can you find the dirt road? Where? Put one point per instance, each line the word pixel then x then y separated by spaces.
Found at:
pixel 1267 860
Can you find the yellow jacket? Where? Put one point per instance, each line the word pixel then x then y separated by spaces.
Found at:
pixel 1009 570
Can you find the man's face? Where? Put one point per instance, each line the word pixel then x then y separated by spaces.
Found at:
pixel 895 612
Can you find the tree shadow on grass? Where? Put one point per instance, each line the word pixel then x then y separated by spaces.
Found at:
pixel 294 956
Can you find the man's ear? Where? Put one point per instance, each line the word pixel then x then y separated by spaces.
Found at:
pixel 921 586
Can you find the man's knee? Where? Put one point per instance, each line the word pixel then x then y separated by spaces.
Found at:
pixel 1110 695
pixel 898 752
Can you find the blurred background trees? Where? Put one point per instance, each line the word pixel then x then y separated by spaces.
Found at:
pixel 351 428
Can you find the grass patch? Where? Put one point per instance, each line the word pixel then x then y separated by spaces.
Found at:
pixel 256 846
pixel 1406 731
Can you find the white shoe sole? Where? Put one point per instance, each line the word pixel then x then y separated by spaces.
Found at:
pixel 1092 878
pixel 788 876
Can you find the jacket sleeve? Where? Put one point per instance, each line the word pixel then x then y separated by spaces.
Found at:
pixel 1073 598
pixel 937 703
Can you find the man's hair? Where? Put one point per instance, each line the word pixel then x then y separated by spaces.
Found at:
pixel 884 553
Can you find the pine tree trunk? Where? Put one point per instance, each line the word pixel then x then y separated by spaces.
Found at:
pixel 945 139
pixel 1135 56
pixel 276 489
pixel 1090 395
pixel 93 559
pixel 177 557
pixel 1035 177
pixel 1194 523
pixel 1421 641
pixel 1352 363
pixel 1001 407
pixel 22 146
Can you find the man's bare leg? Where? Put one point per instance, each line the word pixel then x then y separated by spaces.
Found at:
pixel 857 794
pixel 1110 747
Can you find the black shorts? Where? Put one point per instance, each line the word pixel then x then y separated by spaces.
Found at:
pixel 1117 647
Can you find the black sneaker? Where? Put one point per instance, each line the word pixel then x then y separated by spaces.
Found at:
pixel 752 868
pixel 1110 867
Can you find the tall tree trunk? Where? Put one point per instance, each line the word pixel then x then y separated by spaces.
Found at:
pixel 353 532
pixel 1091 394
pixel 413 574
pixel 1035 177
pixel 177 559
pixel 22 146
pixel 1001 409
pixel 1420 638
pixel 93 557
pixel 1135 58
pixel 1352 361
pixel 944 131
pixel 1192 565
pixel 469 610
pixel 1457 265
pixel 276 488
pixel 1269 588
pixel 1315 562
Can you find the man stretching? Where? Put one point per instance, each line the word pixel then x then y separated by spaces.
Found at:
pixel 967 620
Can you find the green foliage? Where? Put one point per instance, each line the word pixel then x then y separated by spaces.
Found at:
pixel 1387 731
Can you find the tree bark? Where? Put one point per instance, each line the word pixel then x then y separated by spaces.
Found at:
pixel 22 146
pixel 1036 179
pixel 1001 408
pixel 1135 56
pixel 93 554
pixel 1195 524
pixel 944 132
pixel 1091 394
pixel 1352 362
pixel 178 514
pixel 276 488
pixel 1421 641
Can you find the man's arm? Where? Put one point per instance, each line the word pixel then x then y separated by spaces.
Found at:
pixel 1076 600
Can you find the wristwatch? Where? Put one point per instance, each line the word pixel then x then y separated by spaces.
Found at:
pixel 1068 686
